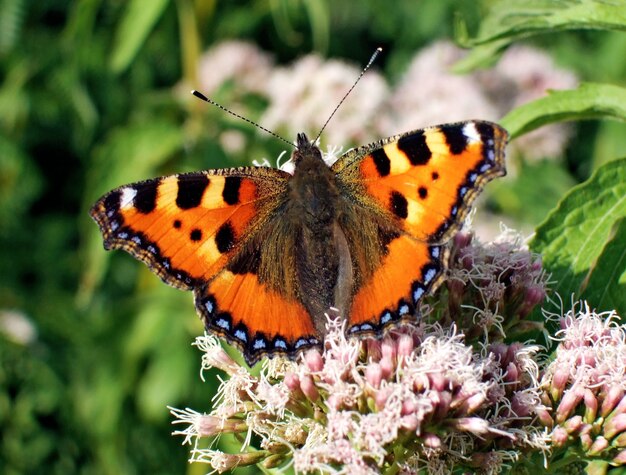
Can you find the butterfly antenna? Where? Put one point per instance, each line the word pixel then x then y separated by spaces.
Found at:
pixel 367 66
pixel 199 95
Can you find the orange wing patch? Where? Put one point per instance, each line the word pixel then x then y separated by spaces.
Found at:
pixel 410 270
pixel 427 179
pixel 186 227
pixel 258 320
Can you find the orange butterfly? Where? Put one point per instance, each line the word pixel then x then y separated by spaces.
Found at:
pixel 267 253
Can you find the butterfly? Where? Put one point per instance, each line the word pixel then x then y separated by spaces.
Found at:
pixel 268 253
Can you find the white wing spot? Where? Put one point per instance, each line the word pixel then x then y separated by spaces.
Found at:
pixel 470 132
pixel 127 197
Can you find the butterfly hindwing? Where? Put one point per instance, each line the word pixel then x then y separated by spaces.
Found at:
pixel 421 185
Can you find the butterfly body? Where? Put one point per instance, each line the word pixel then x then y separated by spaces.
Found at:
pixel 268 253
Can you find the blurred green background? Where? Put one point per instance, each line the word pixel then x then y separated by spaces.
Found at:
pixel 95 94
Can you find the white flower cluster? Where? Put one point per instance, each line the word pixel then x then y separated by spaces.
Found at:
pixel 301 96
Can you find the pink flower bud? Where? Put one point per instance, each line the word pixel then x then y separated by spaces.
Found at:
pixel 292 381
pixel 223 462
pixel 545 418
pixel 472 403
pixel 559 437
pixel 598 446
pixel 475 425
pixel 619 441
pixel 388 348
pixel 614 425
pixel 441 403
pixel 620 458
pixel 512 374
pixel 381 396
pixel 405 345
pixel 585 441
pixel 374 374
pixel 570 400
pixel 209 426
pixel 410 422
pixel 408 407
pixel 559 381
pixel 431 440
pixel 307 385
pixel 216 357
pixel 438 381
pixel 519 406
pixel 611 399
pixel 462 240
pixel 387 367
pixel 573 424
pixel 313 360
pixel 591 406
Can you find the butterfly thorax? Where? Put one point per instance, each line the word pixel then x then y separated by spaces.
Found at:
pixel 323 266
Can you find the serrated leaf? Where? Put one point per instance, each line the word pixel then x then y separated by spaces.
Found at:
pixel 511 20
pixel 139 19
pixel 605 285
pixel 574 235
pixel 589 100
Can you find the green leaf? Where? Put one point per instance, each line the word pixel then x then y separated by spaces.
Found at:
pixel 574 235
pixel 606 281
pixel 139 19
pixel 589 100
pixel 510 20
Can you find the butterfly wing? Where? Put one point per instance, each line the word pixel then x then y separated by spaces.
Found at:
pixel 416 189
pixel 208 232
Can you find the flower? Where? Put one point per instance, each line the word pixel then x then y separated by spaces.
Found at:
pixel 239 62
pixel 584 385
pixel 302 97
pixel 421 398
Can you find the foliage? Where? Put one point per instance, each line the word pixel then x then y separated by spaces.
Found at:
pixel 94 95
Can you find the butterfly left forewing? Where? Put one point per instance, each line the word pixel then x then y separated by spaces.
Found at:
pixel 417 188
pixel 186 227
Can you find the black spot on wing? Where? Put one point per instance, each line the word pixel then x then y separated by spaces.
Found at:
pixel 146 197
pixel 190 190
pixel 231 190
pixel 225 237
pixel 399 205
pixel 195 234
pixel 415 148
pixel 422 191
pixel 455 138
pixel 381 160
pixel 177 224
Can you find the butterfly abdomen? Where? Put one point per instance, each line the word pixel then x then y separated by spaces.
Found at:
pixel 323 266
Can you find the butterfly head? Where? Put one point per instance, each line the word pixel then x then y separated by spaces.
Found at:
pixel 305 149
